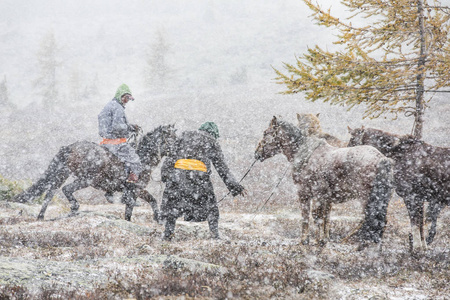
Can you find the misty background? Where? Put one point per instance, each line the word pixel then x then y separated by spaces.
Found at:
pixel 186 62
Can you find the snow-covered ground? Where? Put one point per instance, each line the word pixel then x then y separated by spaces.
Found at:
pixel 259 256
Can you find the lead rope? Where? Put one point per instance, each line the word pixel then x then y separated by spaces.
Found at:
pixel 271 194
pixel 248 171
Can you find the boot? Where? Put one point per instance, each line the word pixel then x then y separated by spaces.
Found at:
pixel 133 178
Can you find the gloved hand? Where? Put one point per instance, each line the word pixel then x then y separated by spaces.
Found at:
pixel 136 128
pixel 238 190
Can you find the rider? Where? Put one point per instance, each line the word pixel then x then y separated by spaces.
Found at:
pixel 114 128
pixel 186 172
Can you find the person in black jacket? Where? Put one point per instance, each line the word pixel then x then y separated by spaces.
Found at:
pixel 186 172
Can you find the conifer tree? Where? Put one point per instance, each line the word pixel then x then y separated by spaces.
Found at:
pixel 393 63
pixel 75 84
pixel 157 70
pixel 46 82
pixel 4 94
pixel 91 90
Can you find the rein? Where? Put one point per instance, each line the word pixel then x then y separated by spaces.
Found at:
pixel 248 171
pixel 271 194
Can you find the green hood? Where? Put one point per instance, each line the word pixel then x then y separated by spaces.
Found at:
pixel 211 128
pixel 122 90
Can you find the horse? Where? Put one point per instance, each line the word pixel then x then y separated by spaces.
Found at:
pixel 93 165
pixel 312 124
pixel 326 175
pixel 421 173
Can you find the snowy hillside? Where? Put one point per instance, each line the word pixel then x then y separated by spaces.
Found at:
pixel 220 68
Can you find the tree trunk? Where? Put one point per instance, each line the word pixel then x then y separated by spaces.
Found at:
pixel 418 124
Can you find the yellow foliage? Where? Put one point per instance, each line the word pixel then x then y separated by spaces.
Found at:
pixel 381 63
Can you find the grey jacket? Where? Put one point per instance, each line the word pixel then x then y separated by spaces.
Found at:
pixel 112 122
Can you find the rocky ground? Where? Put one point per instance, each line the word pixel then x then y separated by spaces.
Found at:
pixel 98 255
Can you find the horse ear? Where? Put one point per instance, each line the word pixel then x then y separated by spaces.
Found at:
pixel 274 121
pixel 349 129
pixel 317 115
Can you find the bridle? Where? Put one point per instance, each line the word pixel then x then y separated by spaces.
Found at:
pixel 262 144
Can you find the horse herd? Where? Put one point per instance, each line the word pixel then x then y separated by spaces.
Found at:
pixel 326 170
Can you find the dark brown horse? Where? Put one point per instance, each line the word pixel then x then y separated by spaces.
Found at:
pixel 421 173
pixel 92 165
pixel 326 175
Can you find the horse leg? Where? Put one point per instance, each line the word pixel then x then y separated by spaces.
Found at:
pixel 170 228
pixel 306 209
pixel 153 203
pixel 47 199
pixel 375 210
pixel 326 221
pixel 68 191
pixel 434 209
pixel 129 198
pixel 415 209
pixel 318 215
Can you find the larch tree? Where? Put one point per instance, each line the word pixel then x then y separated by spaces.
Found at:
pixel 46 82
pixel 393 63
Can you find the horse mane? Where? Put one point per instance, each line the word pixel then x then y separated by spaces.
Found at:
pixel 296 135
pixel 304 145
pixel 147 145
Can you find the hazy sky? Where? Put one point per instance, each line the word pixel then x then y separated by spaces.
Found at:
pixel 210 40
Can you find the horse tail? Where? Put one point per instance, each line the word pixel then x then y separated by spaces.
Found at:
pixel 376 208
pixel 53 178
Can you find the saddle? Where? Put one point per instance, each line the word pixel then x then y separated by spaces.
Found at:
pixel 115 163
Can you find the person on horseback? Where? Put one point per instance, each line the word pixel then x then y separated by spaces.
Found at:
pixel 186 172
pixel 114 128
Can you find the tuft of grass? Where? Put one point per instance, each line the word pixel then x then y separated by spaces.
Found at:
pixel 10 188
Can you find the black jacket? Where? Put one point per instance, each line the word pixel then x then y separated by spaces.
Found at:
pixel 202 146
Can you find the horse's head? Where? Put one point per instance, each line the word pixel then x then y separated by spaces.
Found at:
pixel 157 144
pixel 309 124
pixel 356 136
pixel 279 137
pixel 385 142
pixel 270 143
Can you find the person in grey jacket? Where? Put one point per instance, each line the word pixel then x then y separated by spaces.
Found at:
pixel 186 172
pixel 114 128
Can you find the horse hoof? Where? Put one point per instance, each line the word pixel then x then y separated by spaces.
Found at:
pixel 305 242
pixel 362 246
pixel 322 243
pixel 73 214
pixel 168 238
